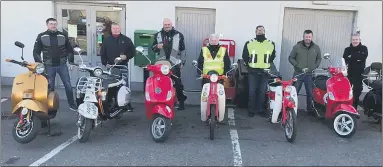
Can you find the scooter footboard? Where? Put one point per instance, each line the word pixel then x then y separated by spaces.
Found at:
pixel 276 104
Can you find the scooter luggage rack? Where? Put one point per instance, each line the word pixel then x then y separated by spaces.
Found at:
pixel 82 85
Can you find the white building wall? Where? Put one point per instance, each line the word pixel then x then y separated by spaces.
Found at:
pixel 236 20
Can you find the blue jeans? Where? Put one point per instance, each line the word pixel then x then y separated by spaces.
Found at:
pixel 63 71
pixel 257 90
pixel 307 79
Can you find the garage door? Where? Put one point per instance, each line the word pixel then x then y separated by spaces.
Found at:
pixel 332 32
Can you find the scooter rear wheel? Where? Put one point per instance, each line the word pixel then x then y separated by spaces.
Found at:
pixel 212 122
pixel 344 125
pixel 160 128
pixel 290 126
pixel 28 134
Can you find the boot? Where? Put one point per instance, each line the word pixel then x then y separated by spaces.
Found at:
pixel 181 105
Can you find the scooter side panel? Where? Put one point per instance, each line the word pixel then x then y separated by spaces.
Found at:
pixel 158 87
pixel 41 89
pixel 33 105
pixel 276 104
pixel 204 96
pixel 340 88
pixel 123 96
pixel 88 110
pixel 221 102
pixel 294 95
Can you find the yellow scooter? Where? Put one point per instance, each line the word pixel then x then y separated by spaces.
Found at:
pixel 32 101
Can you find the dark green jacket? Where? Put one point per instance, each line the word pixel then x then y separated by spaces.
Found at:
pixel 302 56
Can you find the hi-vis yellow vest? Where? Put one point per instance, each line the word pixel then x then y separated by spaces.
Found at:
pixel 216 64
pixel 259 53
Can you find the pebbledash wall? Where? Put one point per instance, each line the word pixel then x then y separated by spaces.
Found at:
pixel 23 20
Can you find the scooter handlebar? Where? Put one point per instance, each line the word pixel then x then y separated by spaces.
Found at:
pixel 24 64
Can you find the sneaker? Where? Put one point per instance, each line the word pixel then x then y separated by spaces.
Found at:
pixel 73 107
pixel 181 105
pixel 130 108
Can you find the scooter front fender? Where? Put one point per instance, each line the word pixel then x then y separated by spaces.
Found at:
pixel 33 105
pixel 346 108
pixel 161 109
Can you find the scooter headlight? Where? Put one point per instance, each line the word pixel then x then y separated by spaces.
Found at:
pixel 165 69
pixel 214 78
pixel 39 69
pixel 97 72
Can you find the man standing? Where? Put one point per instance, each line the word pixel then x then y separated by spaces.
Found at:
pixel 258 54
pixel 117 45
pixel 213 57
pixel 170 43
pixel 355 57
pixel 305 54
pixel 57 50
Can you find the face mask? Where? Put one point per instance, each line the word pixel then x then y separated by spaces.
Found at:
pixel 260 37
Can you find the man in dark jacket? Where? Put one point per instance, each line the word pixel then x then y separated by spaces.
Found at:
pixel 57 50
pixel 305 54
pixel 170 43
pixel 355 57
pixel 258 54
pixel 213 55
pixel 117 45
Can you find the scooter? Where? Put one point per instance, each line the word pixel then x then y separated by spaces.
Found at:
pixel 160 96
pixel 372 102
pixel 283 103
pixel 213 98
pixel 333 98
pixel 32 101
pixel 101 91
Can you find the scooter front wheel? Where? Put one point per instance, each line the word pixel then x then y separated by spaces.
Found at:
pixel 160 128
pixel 27 131
pixel 212 122
pixel 84 128
pixel 344 125
pixel 290 125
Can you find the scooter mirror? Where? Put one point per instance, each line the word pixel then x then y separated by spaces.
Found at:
pixel 326 56
pixel 117 60
pixel 140 49
pixel 194 63
pixel 77 50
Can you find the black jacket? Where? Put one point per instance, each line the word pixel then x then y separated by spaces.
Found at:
pixel 168 44
pixel 245 55
pixel 56 48
pixel 355 58
pixel 213 50
pixel 113 47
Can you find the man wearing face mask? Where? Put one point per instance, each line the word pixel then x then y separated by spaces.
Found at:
pixel 213 57
pixel 170 43
pixel 57 51
pixel 258 54
pixel 117 45
pixel 355 57
pixel 306 54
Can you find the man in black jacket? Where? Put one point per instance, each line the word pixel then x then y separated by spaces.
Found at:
pixel 170 43
pixel 212 50
pixel 117 45
pixel 57 50
pixel 355 57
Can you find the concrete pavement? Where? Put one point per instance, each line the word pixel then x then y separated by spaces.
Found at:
pixel 127 142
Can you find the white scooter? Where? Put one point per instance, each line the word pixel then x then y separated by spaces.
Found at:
pixel 213 99
pixel 97 94
pixel 283 104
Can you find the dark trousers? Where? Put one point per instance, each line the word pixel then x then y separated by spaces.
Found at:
pixel 257 91
pixel 307 79
pixel 356 82
pixel 181 97
pixel 63 71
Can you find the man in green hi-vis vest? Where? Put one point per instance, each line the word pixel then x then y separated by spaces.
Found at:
pixel 258 54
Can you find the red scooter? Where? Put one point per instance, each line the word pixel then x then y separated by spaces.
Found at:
pixel 333 99
pixel 160 97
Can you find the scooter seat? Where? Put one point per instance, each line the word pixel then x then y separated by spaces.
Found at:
pixel 320 82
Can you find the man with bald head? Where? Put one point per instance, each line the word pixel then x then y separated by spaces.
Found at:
pixel 170 43
pixel 213 57
pixel 355 57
